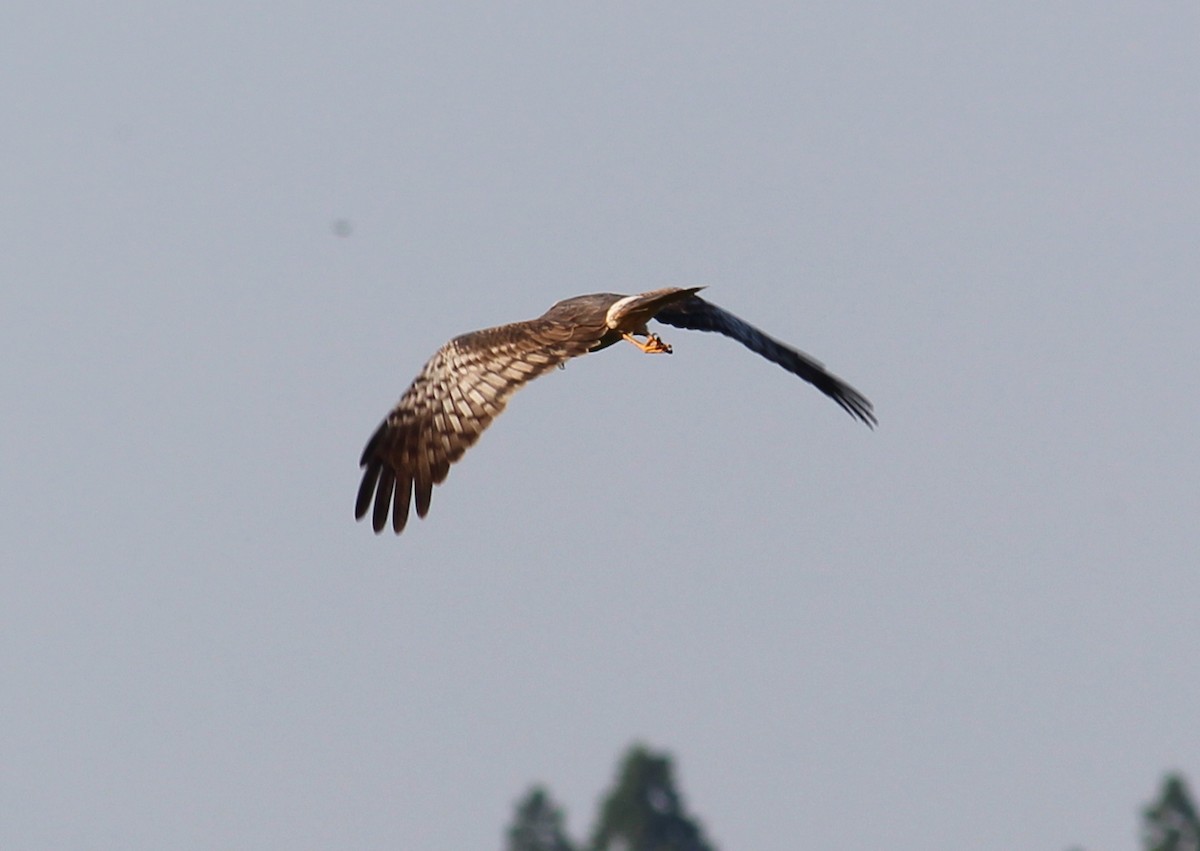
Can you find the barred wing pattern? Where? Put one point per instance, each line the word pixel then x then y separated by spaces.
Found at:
pixel 462 388
pixel 695 313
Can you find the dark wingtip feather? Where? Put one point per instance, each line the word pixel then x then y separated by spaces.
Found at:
pixel 424 494
pixel 857 406
pixel 369 451
pixel 366 490
pixel 383 499
pixel 400 500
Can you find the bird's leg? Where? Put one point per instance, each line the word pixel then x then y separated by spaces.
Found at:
pixel 652 346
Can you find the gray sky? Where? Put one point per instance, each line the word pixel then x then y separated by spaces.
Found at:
pixel 973 628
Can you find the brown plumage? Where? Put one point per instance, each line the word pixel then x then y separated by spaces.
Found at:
pixel 467 383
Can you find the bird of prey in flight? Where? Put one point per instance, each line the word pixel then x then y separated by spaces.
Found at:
pixel 468 381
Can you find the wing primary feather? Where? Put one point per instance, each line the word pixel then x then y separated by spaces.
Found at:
pixel 424 492
pixel 366 490
pixel 370 450
pixel 400 500
pixel 383 499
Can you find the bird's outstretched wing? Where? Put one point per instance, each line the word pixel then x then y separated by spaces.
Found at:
pixel 462 388
pixel 697 314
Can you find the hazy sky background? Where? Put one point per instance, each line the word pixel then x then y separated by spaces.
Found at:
pixel 973 628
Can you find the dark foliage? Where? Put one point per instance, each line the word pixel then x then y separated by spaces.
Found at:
pixel 1170 823
pixel 538 825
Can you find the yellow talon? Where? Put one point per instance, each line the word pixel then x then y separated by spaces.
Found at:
pixel 653 345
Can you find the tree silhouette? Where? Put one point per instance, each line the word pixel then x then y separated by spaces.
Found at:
pixel 644 811
pixel 1170 823
pixel 538 825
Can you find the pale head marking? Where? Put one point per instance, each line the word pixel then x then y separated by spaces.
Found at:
pixel 609 318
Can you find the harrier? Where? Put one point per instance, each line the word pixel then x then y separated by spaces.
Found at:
pixel 467 383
